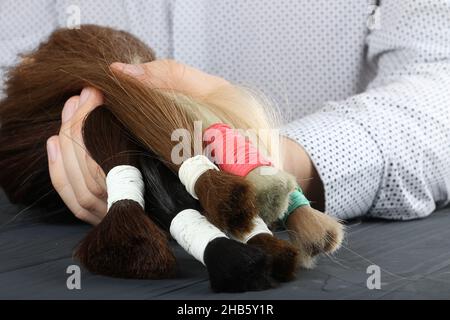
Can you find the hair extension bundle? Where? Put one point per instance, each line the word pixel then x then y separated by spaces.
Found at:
pixel 232 266
pixel 72 59
pixel 276 196
pixel 235 209
pixel 313 232
pixel 126 243
pixel 35 93
pixel 236 153
pixel 239 157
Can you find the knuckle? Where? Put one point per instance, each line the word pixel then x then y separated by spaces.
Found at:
pixel 75 128
pixel 72 99
pixel 80 214
pixel 58 183
pixel 86 201
pixel 98 191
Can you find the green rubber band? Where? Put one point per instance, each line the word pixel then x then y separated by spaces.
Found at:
pixel 296 200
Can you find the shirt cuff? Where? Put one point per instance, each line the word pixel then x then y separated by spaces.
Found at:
pixel 347 160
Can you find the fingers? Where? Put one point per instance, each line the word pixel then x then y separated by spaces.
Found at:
pixel 171 75
pixel 87 188
pixel 62 185
pixel 89 99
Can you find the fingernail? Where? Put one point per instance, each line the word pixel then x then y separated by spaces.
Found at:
pixel 69 110
pixel 84 96
pixel 52 150
pixel 133 69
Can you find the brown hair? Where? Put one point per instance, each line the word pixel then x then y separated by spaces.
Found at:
pixel 36 91
pixel 135 122
pixel 70 60
pixel 126 243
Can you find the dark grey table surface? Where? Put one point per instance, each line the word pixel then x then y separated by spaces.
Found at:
pixel 414 259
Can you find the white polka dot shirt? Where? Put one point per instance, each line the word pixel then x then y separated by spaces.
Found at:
pixel 364 89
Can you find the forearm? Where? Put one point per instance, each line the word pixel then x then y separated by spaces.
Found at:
pixel 384 152
pixel 343 159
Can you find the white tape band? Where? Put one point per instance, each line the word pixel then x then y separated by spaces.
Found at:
pixel 260 227
pixel 193 232
pixel 125 183
pixel 191 169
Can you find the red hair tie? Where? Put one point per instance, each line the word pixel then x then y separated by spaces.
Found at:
pixel 231 151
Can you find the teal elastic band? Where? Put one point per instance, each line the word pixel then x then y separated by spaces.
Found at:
pixel 296 199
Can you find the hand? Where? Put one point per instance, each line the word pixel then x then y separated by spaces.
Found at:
pixel 76 177
pixel 172 75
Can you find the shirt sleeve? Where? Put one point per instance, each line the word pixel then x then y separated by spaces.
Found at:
pixel 384 152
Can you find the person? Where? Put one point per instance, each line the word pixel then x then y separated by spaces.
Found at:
pixel 380 153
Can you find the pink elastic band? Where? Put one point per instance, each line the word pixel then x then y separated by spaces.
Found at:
pixel 231 151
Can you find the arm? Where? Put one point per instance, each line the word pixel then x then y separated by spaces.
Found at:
pixel 383 152
pixel 297 162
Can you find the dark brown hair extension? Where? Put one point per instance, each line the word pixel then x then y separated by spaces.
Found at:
pixel 237 201
pixel 285 257
pixel 35 92
pixel 126 243
pixel 60 68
